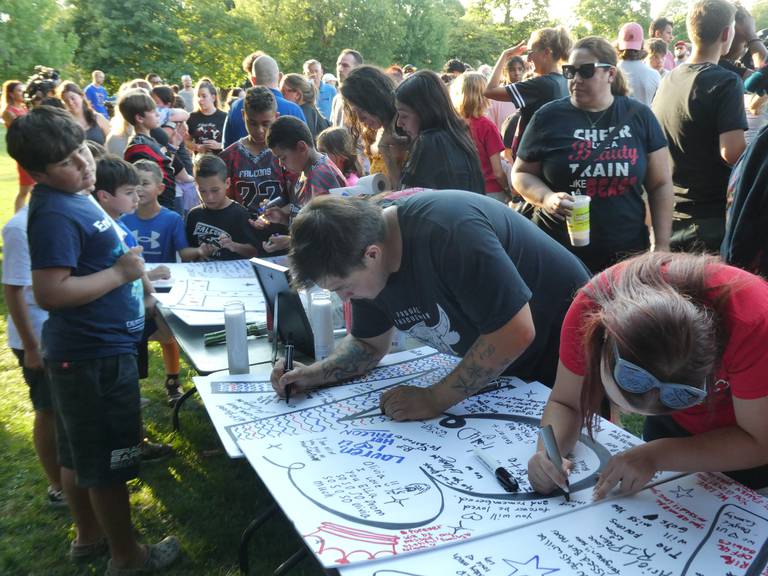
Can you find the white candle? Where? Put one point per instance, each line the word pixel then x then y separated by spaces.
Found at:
pixel 322 323
pixel 237 337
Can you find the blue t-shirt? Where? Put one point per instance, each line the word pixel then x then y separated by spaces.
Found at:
pixel 234 127
pixel 71 231
pixel 324 100
pixel 161 236
pixel 97 96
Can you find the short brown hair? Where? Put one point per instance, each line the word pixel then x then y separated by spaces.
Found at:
pixel 707 18
pixel 135 101
pixel 330 235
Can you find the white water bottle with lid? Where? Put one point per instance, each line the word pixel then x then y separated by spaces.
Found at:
pixel 237 337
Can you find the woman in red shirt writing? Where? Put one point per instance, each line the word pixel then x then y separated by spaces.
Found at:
pixel 681 339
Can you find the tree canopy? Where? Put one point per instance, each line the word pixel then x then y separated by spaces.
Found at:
pixel 211 37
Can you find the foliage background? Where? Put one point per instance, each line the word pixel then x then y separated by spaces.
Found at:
pixel 211 37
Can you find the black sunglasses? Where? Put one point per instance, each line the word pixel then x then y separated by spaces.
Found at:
pixel 585 70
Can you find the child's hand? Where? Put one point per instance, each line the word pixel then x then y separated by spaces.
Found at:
pixel 226 242
pixel 212 144
pixel 277 243
pixel 159 273
pixel 205 251
pixel 130 265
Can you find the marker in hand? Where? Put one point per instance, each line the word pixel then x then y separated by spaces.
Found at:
pixel 553 453
pixel 503 476
pixel 288 367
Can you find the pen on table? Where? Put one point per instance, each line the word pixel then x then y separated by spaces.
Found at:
pixel 288 367
pixel 502 475
pixel 553 452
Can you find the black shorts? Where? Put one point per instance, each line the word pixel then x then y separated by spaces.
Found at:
pixel 39 387
pixel 98 418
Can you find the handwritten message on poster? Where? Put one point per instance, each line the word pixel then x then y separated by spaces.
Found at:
pixel 699 525
pixel 376 487
pixel 246 405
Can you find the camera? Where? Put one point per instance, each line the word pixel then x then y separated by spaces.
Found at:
pixel 41 84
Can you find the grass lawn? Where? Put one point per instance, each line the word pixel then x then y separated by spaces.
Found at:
pixel 200 495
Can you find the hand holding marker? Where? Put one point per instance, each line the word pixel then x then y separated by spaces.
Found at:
pixel 550 444
pixel 288 368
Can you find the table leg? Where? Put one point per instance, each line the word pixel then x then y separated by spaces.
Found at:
pixel 286 566
pixel 177 407
pixel 242 552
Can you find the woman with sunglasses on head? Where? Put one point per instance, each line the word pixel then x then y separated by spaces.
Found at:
pixel 443 155
pixel 601 144
pixel 680 338
pixel 547 49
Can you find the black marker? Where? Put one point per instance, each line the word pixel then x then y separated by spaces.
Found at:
pixel 503 476
pixel 553 452
pixel 288 367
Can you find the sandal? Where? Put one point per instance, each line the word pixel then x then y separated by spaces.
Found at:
pixel 159 557
pixel 86 552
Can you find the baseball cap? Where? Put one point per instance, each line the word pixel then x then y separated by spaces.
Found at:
pixel 681 43
pixel 631 37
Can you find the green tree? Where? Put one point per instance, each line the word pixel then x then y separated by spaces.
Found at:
pixel 212 35
pixel 32 33
pixel 424 26
pixel 760 14
pixel 128 39
pixel 602 18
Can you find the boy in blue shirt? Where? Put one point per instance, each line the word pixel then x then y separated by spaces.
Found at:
pixel 90 283
pixel 160 232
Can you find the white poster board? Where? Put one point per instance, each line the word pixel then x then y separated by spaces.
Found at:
pixel 368 487
pixel 212 269
pixel 699 525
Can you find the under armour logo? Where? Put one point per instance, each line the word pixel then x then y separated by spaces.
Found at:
pixel 151 239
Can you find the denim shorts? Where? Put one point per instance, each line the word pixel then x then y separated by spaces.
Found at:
pixel 39 387
pixel 98 418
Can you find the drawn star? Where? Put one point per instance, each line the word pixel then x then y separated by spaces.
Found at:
pixel 539 570
pixel 681 492
pixel 530 393
pixel 457 528
pixel 278 446
pixel 397 501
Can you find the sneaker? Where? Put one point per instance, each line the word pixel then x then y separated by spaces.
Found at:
pixel 56 498
pixel 159 556
pixel 86 552
pixel 154 452
pixel 173 390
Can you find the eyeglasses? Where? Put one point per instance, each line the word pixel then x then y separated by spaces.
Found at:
pixel 585 70
pixel 631 378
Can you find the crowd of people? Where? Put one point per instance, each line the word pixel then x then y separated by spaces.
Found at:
pixel 467 250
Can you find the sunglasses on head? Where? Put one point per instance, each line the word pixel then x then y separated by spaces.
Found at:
pixel 585 70
pixel 631 378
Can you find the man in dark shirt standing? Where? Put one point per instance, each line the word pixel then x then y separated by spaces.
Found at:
pixel 700 107
pixel 458 271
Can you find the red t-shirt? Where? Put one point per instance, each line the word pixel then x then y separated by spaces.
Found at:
pixel 743 370
pixel 488 142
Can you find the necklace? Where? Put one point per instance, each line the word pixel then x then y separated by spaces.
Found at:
pixel 593 123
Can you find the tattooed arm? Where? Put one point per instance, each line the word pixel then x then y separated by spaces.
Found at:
pixel 486 359
pixel 352 357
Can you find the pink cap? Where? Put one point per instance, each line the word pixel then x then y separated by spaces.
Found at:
pixel 631 37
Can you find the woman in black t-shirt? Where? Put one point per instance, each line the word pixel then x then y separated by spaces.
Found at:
pixel 206 123
pixel 443 155
pixel 563 154
pixel 547 49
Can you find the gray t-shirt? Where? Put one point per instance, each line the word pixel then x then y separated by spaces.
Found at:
pixel 643 80
pixel 469 264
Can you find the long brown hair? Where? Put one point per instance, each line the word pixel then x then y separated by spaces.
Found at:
pixel 601 49
pixel 658 311
pixel 88 113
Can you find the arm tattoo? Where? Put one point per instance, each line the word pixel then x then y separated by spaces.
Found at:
pixel 473 373
pixel 352 358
